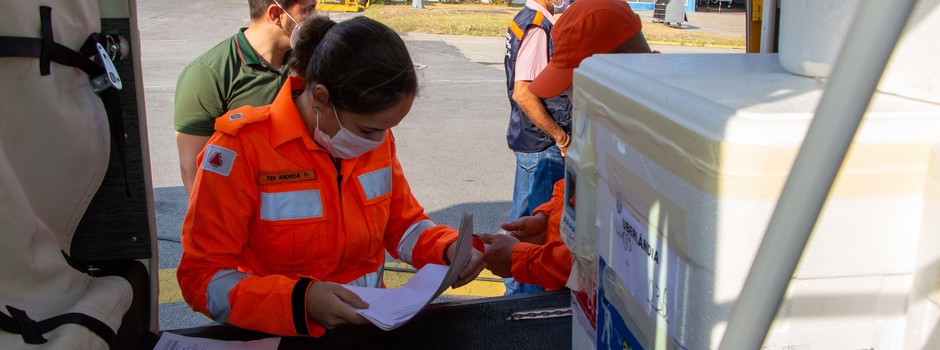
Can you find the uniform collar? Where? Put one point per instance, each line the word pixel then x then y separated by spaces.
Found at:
pixel 245 51
pixel 286 123
pixel 536 6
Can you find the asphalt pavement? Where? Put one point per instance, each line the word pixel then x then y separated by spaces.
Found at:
pixel 452 145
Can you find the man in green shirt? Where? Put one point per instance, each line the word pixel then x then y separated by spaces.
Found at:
pixel 246 69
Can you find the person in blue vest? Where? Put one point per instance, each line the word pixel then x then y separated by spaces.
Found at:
pixel 539 130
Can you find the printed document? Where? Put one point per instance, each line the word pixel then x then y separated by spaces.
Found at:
pixel 172 341
pixel 389 308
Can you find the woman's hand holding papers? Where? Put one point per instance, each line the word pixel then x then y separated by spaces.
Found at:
pixel 331 305
pixel 471 270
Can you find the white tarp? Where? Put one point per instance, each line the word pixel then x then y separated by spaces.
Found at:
pixel 54 149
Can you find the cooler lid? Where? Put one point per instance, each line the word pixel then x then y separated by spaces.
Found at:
pixel 739 119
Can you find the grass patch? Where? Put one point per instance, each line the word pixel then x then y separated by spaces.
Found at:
pixel 492 20
pixel 451 19
pixel 657 33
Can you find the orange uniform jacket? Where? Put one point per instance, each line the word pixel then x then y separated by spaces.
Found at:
pixel 270 212
pixel 546 265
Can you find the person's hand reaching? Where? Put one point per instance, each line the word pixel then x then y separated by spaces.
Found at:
pixel 498 257
pixel 529 229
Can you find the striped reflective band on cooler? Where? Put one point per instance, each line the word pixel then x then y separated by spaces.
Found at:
pixel 291 205
pixel 376 183
pixel 407 244
pixel 217 293
pixel 371 280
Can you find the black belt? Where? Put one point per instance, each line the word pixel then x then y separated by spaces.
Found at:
pixel 104 79
pixel 32 331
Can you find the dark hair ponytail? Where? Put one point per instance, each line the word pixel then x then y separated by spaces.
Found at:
pixel 308 38
pixel 364 65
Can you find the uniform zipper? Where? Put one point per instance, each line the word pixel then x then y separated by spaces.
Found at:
pixel 339 175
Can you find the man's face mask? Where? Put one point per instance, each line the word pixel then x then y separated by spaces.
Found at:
pixel 295 34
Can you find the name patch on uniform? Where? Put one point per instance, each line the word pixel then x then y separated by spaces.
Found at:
pixel 287 176
pixel 218 160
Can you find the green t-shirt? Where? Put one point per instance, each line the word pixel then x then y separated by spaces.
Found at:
pixel 228 76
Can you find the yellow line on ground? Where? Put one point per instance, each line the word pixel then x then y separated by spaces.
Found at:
pixel 169 287
pixel 492 286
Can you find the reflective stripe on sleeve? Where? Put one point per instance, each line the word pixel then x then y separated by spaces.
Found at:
pixel 291 205
pixel 410 238
pixel 371 280
pixel 376 183
pixel 217 293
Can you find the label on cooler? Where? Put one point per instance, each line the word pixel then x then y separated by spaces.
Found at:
pixel 642 259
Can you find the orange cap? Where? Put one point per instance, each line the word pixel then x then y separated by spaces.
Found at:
pixel 586 28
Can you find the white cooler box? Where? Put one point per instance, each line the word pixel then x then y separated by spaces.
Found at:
pixel 924 298
pixel 691 153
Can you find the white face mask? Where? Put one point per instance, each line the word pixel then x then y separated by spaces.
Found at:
pixel 345 144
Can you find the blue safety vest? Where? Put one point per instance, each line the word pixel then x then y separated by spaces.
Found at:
pixel 523 136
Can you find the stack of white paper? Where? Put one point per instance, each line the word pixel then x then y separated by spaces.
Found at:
pixel 389 308
pixel 172 341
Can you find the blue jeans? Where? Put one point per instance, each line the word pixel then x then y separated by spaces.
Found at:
pixel 536 174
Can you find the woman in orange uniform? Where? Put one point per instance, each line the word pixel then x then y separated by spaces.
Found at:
pixel 294 199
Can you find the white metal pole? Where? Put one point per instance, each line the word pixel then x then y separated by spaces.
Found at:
pixel 848 92
pixel 768 21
